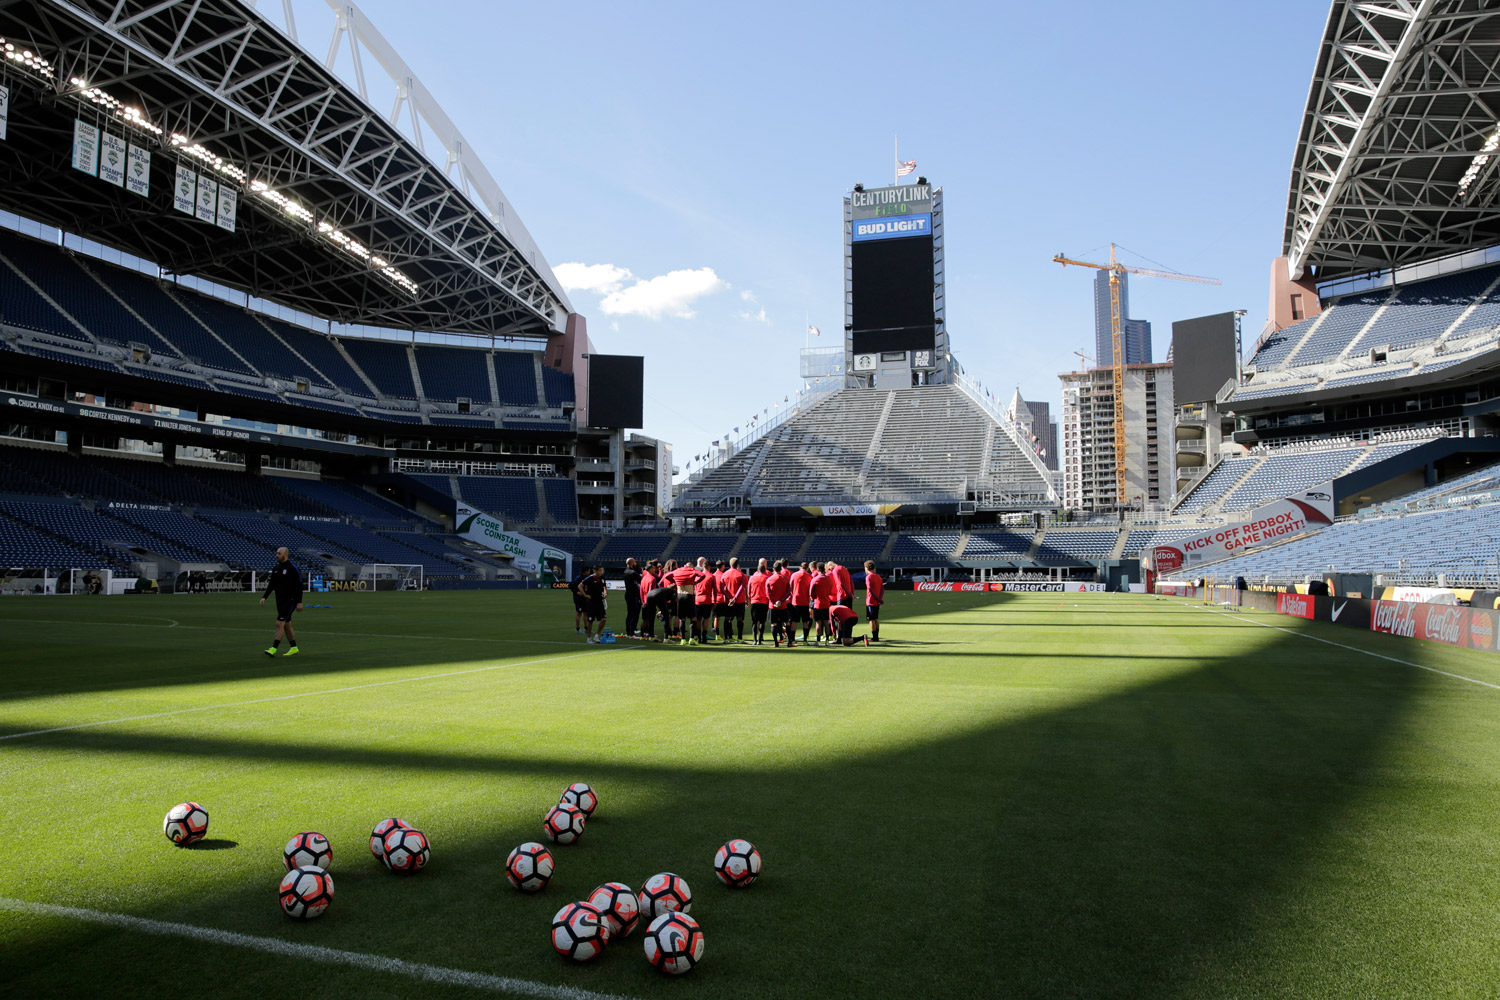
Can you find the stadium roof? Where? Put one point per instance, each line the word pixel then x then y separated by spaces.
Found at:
pixel 339 213
pixel 1396 159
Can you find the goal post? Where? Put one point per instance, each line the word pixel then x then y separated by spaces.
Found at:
pixel 391 576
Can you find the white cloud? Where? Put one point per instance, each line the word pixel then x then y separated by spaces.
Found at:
pixel 671 294
pixel 602 279
pixel 747 296
pixel 754 317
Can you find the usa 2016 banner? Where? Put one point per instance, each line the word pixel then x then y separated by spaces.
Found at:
pixel 1275 520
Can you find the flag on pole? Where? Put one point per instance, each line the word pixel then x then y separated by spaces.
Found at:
pixel 814 330
pixel 905 167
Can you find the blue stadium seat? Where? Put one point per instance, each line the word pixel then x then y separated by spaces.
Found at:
pixel 452 372
pixel 558 386
pixel 507 497
pixel 385 363
pixel 515 377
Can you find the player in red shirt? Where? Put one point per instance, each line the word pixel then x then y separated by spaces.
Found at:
pixel 844 619
pixel 760 602
pixel 648 583
pixel 822 600
pixel 685 579
pixel 733 591
pixel 705 597
pixel 843 586
pixel 801 600
pixel 874 598
pixel 779 586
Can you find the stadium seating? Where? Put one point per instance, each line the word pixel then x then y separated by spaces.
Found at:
pixel 1214 485
pixel 1419 313
pixel 627 544
pixel 386 363
pixel 212 543
pixel 92 532
pixel 580 547
pixel 249 339
pixel 449 373
pixel 1337 326
pixel 510 498
pixel 275 534
pixel 769 547
pixel 1140 540
pixel 375 548
pixel 1074 545
pixel 28 470
pixel 323 355
pixel 932 445
pixel 346 498
pixel 1273 351
pixel 850 549
pixel 562 499
pixel 515 377
pixel 928 547
pixel 998 544
pixel 1285 472
pixel 558 385
pixel 23 546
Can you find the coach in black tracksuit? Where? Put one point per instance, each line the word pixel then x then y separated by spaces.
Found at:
pixel 632 595
pixel 286 583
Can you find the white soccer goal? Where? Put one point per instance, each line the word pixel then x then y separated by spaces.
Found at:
pixel 391 576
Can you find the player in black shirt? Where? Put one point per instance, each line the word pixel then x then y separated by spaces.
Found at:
pixel 579 610
pixel 632 595
pixel 286 583
pixel 592 589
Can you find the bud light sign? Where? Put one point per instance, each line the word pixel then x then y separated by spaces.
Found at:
pixel 892 227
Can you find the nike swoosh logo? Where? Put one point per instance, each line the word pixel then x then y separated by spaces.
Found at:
pixel 1339 609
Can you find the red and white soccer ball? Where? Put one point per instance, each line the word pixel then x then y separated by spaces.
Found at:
pixel 405 850
pixel 185 823
pixel 306 892
pixel 564 823
pixel 737 864
pixel 377 835
pixel 674 943
pixel 618 907
pixel 578 932
pixel 581 795
pixel 529 867
pixel 307 849
pixel 664 893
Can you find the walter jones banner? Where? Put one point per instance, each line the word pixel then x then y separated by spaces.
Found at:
pixel 1013 588
pixel 1266 524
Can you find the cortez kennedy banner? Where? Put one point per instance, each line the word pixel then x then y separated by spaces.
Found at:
pixel 1275 520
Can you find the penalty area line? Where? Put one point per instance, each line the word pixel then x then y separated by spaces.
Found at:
pixel 303 694
pixel 309 952
pixel 1353 649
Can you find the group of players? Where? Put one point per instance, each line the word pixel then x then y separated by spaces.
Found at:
pixel 701 603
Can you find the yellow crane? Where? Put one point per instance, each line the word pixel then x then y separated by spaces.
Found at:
pixel 1115 269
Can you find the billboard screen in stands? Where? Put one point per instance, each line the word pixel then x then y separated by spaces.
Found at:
pixel 1203 357
pixel 892 281
pixel 617 384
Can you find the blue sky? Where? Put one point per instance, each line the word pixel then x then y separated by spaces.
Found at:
pixel 684 164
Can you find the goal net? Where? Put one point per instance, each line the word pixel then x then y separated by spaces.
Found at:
pixel 391 576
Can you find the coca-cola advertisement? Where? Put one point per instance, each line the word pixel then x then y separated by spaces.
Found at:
pixel 1473 628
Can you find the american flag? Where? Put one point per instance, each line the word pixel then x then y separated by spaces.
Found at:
pixel 904 167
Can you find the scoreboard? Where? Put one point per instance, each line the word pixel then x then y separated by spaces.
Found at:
pixel 891 270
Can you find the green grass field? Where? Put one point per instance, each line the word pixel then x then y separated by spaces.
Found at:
pixel 1014 796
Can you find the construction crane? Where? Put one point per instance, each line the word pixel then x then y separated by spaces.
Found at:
pixel 1088 359
pixel 1115 269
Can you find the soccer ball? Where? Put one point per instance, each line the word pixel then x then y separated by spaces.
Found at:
pixel 306 892
pixel 664 893
pixel 564 823
pixel 737 864
pixel 529 867
pixel 405 850
pixel 581 795
pixel 185 823
pixel 307 849
pixel 578 932
pixel 617 906
pixel 674 943
pixel 377 835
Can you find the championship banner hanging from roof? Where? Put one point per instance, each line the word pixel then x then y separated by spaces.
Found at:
pixel 112 155
pixel 1280 519
pixel 4 110
pixel 208 199
pixel 228 204
pixel 185 192
pixel 138 171
pixel 86 148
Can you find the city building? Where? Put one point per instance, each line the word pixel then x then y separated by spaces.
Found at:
pixel 1135 334
pixel 1088 438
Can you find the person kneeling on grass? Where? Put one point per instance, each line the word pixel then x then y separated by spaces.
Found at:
pixel 286 583
pixel 843 619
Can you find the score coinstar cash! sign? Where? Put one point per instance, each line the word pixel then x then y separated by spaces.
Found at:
pixel 526 554
pixel 1280 519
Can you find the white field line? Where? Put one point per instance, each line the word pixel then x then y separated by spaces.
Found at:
pixel 297 628
pixel 304 694
pixel 1352 649
pixel 309 952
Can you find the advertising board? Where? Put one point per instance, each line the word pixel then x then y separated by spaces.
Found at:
pixel 1279 519
pixel 896 227
pixel 526 554
pixel 1299 605
pixel 1014 587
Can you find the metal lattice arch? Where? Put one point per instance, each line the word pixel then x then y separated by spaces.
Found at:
pixel 382 233
pixel 1394 161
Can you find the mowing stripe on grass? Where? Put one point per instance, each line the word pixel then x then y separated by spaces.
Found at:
pixel 304 631
pixel 1353 649
pixel 304 694
pixel 312 953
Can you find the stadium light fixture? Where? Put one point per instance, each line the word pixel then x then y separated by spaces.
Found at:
pixel 27 58
pixel 1476 165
